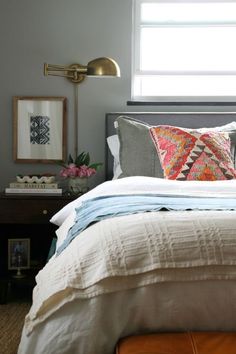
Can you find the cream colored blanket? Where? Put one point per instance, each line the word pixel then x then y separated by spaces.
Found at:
pixel 136 250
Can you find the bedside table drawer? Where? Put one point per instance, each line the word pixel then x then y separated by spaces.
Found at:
pixel 28 210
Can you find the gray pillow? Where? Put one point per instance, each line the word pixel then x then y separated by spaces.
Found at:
pixel 138 155
pixel 232 136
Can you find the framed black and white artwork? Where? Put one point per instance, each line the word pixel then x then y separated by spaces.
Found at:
pixel 39 129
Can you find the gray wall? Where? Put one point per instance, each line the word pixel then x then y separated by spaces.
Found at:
pixel 64 32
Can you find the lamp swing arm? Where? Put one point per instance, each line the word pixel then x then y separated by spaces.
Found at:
pixel 48 68
pixel 72 72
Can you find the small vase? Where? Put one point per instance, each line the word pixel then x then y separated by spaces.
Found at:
pixel 78 185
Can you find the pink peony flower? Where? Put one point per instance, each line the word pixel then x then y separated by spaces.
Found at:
pixel 79 168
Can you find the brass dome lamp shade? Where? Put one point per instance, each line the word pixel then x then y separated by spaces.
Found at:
pixel 76 73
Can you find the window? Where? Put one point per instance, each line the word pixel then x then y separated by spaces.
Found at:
pixel 184 49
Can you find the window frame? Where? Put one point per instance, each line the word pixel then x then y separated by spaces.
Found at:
pixel 161 100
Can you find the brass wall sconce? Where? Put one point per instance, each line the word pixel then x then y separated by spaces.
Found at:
pixel 76 73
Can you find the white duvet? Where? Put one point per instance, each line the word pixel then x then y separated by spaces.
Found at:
pixel 139 185
pixel 132 255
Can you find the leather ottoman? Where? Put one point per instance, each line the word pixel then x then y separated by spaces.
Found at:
pixel 179 343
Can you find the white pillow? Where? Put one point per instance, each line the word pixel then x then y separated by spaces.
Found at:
pixel 223 128
pixel 114 146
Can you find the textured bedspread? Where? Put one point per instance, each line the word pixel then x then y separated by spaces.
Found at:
pixel 101 208
pixel 130 251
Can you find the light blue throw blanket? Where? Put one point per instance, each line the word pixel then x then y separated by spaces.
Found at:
pixel 101 208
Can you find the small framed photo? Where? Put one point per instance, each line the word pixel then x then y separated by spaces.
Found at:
pixel 18 253
pixel 39 129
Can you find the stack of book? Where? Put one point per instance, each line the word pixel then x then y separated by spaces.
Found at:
pixel 33 188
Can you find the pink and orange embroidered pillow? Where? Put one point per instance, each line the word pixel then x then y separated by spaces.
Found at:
pixel 193 155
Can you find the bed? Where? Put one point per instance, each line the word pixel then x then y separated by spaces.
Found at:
pixel 141 253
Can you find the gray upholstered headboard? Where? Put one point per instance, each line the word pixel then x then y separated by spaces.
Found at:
pixel 181 119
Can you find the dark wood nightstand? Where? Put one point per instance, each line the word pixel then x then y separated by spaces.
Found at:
pixel 28 216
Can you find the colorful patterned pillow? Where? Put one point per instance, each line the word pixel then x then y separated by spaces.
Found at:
pixel 193 155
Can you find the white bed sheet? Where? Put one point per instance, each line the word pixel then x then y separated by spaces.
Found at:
pixel 139 185
pixel 95 325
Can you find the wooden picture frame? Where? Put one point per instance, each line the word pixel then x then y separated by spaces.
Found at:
pixel 18 253
pixel 39 129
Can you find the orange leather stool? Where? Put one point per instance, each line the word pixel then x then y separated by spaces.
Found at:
pixel 179 343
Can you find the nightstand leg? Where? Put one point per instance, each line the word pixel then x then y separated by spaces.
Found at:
pixel 4 284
